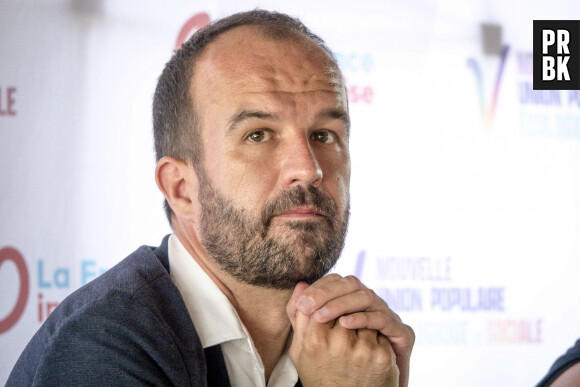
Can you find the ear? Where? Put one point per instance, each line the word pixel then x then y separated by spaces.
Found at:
pixel 178 182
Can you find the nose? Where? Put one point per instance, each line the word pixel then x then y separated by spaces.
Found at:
pixel 300 165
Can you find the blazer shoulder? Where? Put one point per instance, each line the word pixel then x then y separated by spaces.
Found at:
pixel 130 318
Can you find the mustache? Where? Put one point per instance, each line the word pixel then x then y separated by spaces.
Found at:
pixel 298 196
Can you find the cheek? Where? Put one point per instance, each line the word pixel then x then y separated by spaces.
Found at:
pixel 336 177
pixel 247 178
pixel 344 191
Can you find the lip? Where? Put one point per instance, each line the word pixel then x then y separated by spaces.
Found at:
pixel 301 212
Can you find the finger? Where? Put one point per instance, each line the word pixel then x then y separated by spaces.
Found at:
pixel 400 335
pixel 358 301
pixel 364 300
pixel 321 292
pixel 402 362
pixel 314 337
pixel 291 306
pixel 300 328
pixel 340 337
pixel 385 343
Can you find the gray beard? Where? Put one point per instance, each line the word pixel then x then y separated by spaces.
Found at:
pixel 243 247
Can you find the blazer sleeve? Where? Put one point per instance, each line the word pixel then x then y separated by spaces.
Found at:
pixel 115 341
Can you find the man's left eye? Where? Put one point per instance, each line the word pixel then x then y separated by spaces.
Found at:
pixel 260 136
pixel 323 137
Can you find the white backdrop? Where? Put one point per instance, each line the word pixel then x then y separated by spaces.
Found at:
pixel 465 189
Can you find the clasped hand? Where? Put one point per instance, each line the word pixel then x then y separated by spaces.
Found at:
pixel 344 334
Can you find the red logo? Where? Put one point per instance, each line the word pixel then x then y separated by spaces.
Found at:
pixel 7 101
pixel 193 24
pixel 11 254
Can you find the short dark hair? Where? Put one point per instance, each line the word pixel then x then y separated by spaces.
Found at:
pixel 175 123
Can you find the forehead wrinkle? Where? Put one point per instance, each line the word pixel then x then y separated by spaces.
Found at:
pixel 274 113
pixel 262 64
pixel 283 92
pixel 283 81
pixel 288 64
pixel 291 67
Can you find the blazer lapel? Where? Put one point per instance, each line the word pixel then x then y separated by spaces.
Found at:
pixel 217 373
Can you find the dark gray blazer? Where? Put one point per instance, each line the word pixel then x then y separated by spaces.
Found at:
pixel 128 327
pixel 567 360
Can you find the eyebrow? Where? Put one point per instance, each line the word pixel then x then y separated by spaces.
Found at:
pixel 336 114
pixel 244 115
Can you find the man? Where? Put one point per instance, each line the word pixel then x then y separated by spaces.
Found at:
pixel 251 131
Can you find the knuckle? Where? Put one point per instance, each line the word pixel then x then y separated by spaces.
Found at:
pixel 369 294
pixel 411 335
pixel 363 353
pixel 334 276
pixel 323 292
pixel 397 317
pixel 314 343
pixel 367 347
pixel 383 357
pixel 382 300
pixel 352 281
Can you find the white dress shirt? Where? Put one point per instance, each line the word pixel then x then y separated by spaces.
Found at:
pixel 217 322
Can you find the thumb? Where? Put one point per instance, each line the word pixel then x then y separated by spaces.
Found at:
pixel 291 307
pixel 300 325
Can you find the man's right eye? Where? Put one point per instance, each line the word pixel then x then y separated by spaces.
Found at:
pixel 259 136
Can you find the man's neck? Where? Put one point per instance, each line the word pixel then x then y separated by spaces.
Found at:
pixel 262 310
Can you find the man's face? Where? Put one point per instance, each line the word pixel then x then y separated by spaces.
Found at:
pixel 275 172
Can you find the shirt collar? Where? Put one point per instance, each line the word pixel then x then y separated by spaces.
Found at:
pixel 213 315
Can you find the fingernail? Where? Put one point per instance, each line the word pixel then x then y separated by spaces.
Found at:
pixel 346 319
pixel 321 314
pixel 305 303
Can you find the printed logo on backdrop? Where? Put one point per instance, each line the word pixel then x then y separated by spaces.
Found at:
pixel 52 285
pixel 556 52
pixel 451 313
pixel 492 46
pixel 356 66
pixel 192 24
pixel 551 113
pixel 7 101
pixel 9 254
